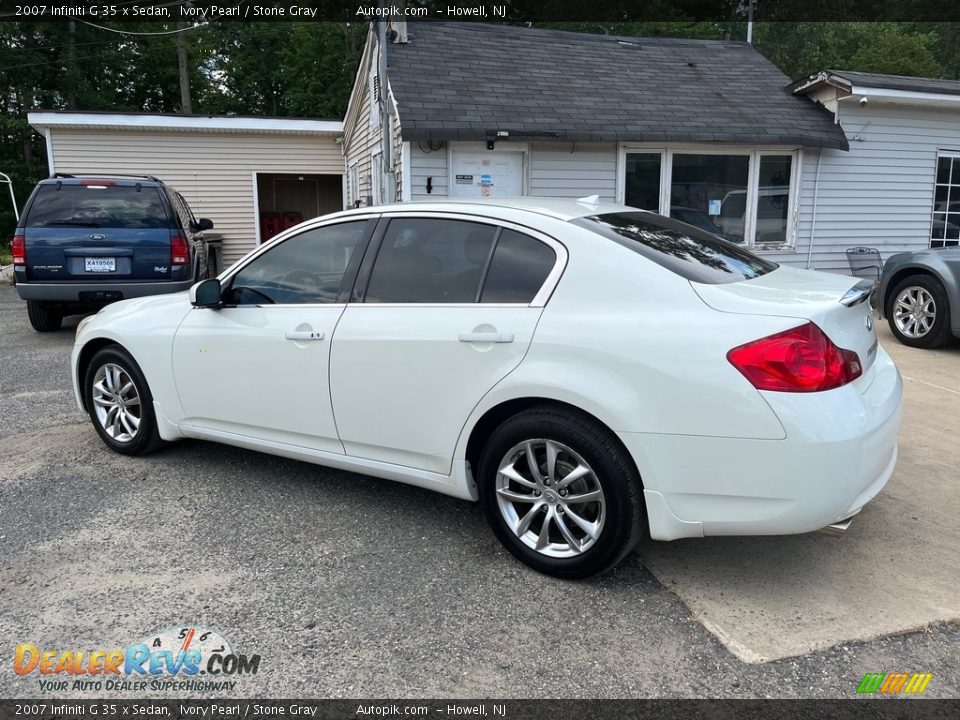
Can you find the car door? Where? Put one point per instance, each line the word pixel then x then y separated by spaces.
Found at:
pixel 447 307
pixel 258 366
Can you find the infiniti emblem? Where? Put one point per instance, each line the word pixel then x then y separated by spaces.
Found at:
pixel 869 322
pixel 550 496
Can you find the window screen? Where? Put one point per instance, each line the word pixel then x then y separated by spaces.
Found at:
pixel 519 267
pixel 430 260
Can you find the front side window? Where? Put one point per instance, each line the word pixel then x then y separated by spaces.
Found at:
pixel 430 260
pixel 945 229
pixel 307 268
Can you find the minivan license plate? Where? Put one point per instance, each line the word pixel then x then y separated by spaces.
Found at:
pixel 100 264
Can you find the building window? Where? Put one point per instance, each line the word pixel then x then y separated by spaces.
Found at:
pixel 745 196
pixel 945 229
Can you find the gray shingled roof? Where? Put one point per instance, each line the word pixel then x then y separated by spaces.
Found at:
pixel 900 82
pixel 464 81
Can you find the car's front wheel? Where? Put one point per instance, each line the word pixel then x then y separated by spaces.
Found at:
pixel 560 492
pixel 918 312
pixel 119 402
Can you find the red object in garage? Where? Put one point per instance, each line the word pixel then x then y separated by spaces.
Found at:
pixel 291 218
pixel 269 225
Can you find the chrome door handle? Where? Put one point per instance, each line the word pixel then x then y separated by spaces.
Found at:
pixel 304 335
pixel 486 337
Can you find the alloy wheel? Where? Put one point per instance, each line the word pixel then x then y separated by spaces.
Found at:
pixel 550 498
pixel 116 402
pixel 914 311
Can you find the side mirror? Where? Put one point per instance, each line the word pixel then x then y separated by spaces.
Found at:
pixel 202 224
pixel 206 294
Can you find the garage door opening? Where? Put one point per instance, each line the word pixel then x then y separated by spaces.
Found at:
pixel 283 200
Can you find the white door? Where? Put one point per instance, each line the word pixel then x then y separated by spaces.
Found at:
pixel 449 310
pixel 489 173
pixel 258 367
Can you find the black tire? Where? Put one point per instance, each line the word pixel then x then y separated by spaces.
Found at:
pixel 146 438
pixel 939 332
pixel 42 317
pixel 623 518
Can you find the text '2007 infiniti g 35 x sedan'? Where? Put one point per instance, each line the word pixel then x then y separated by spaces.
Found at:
pixel 590 373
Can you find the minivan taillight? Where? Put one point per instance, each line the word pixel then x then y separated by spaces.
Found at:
pixel 19 250
pixel 179 250
pixel 802 359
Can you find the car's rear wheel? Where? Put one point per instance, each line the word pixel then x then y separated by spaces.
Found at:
pixel 119 402
pixel 918 312
pixel 560 492
pixel 42 317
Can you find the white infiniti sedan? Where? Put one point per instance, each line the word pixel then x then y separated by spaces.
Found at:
pixel 590 373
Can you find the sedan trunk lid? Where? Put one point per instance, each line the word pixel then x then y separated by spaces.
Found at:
pixel 838 304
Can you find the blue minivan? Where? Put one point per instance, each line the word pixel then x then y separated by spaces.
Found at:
pixel 88 240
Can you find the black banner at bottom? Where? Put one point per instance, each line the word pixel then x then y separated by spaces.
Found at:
pixel 859 709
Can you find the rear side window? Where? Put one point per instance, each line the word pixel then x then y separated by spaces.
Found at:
pixel 430 260
pixel 683 249
pixel 519 267
pixel 97 206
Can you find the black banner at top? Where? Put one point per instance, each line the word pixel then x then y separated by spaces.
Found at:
pixel 517 11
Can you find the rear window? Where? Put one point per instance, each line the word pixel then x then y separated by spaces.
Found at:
pixel 97 206
pixel 683 249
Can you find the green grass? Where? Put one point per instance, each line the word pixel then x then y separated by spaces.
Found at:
pixel 5 257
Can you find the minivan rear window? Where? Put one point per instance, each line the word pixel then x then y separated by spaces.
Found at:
pixel 683 249
pixel 97 206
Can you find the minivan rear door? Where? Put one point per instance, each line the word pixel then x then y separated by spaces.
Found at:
pixel 97 230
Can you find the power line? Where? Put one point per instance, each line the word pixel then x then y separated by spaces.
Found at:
pixel 130 32
pixel 63 61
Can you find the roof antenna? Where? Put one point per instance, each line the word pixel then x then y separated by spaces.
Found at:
pixel 589 200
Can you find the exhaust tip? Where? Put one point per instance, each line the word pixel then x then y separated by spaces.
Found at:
pixel 838 528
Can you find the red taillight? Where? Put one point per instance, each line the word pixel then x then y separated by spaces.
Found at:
pixel 19 250
pixel 179 250
pixel 802 359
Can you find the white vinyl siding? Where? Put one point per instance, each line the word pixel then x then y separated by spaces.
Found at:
pixel 574 170
pixel 428 161
pixel 213 171
pixel 880 193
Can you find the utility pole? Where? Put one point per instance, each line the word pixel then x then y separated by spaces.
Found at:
pixel 185 106
pixel 72 64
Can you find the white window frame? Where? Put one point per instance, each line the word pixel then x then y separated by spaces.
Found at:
pixel 753 182
pixel 353 184
pixel 941 153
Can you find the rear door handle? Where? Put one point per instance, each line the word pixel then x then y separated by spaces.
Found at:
pixel 486 337
pixel 304 335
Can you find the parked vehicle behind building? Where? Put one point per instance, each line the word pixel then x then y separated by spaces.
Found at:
pixel 85 241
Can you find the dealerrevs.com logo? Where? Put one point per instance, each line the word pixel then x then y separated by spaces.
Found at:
pixel 189 658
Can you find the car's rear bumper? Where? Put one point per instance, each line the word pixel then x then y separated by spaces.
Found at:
pixel 839 452
pixel 70 292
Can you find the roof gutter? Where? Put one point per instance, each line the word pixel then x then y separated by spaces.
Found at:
pixel 902 97
pixel 45 120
